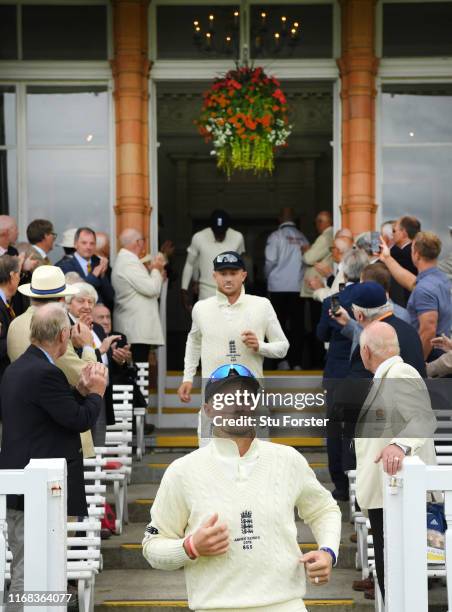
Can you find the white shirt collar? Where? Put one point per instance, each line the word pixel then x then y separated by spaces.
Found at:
pixel 223 300
pixel 384 367
pixel 3 251
pixel 40 251
pixel 3 296
pixel 47 355
pixel 83 262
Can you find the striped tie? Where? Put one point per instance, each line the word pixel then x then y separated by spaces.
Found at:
pixel 10 309
pixel 90 268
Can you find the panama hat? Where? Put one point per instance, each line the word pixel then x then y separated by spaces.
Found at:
pixel 67 240
pixel 47 282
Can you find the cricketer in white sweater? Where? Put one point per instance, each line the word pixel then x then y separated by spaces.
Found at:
pixel 255 496
pixel 216 334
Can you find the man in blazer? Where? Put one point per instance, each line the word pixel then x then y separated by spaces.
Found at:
pixel 137 291
pixel 396 420
pixel 44 417
pixel 91 268
pixel 48 285
pixel 9 281
pixel 41 236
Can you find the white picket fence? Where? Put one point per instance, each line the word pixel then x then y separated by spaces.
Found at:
pixel 43 482
pixel 405 527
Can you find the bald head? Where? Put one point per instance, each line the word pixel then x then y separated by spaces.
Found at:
pixel 323 221
pixel 103 244
pixel 286 214
pixel 8 231
pixel 378 342
pixel 344 232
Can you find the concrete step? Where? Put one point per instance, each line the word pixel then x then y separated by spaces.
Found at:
pixel 166 592
pixel 153 465
pixel 124 551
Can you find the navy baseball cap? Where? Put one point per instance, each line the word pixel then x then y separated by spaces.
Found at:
pixel 368 295
pixel 228 260
pixel 219 221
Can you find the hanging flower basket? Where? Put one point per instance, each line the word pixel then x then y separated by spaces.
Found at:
pixel 244 115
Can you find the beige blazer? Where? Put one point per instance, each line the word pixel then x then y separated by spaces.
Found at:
pixel 441 366
pixel 137 291
pixel 319 252
pixel 18 340
pixel 397 408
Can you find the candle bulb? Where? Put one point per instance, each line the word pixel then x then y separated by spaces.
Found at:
pixel 284 22
pixel 236 18
pixel 208 39
pixel 211 19
pixel 263 17
pixel 277 37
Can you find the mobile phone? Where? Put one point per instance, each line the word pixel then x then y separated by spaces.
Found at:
pixel 341 286
pixel 375 242
pixel 335 305
pixel 121 342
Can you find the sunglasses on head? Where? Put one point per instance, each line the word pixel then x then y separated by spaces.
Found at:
pixel 225 370
pixel 228 258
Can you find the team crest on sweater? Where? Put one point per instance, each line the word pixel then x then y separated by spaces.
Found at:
pixel 247 529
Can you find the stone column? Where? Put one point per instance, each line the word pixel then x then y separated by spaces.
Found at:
pixel 130 68
pixel 358 67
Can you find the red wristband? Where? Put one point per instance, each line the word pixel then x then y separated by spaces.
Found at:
pixel 192 552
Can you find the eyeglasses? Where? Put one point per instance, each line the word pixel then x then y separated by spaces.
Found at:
pixel 228 258
pixel 54 234
pixel 225 370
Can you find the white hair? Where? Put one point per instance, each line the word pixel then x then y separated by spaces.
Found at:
pixel 84 289
pixel 72 278
pixel 47 323
pixel 128 236
pixel 371 313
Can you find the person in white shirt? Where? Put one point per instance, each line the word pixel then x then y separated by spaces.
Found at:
pixel 231 326
pixel 284 272
pixel 225 513
pixel 204 246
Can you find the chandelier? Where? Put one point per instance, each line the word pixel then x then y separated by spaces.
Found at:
pixel 271 34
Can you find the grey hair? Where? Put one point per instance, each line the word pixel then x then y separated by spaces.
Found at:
pixel 84 289
pixel 363 241
pixel 72 278
pixel 379 346
pixel 47 323
pixel 353 263
pixel 371 313
pixel 8 264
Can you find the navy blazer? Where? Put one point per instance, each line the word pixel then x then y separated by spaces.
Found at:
pixel 43 419
pixel 410 349
pixel 337 363
pixel 102 285
pixel 5 320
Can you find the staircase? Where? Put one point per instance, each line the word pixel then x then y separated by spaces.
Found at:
pixel 128 583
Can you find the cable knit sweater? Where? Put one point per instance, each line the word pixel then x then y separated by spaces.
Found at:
pixel 261 567
pixel 215 335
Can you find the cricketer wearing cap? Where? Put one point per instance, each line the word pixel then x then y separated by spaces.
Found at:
pixel 225 513
pixel 231 327
pixel 205 245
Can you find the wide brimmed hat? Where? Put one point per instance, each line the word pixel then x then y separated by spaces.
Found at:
pixel 47 282
pixel 67 240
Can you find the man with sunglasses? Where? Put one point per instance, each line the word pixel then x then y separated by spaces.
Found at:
pixel 225 513
pixel 231 327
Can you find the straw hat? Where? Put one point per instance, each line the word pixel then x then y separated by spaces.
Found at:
pixel 47 282
pixel 67 240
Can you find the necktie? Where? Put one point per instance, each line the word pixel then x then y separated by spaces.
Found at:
pixel 90 268
pixel 10 309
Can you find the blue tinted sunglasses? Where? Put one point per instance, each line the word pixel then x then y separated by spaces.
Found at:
pixel 225 370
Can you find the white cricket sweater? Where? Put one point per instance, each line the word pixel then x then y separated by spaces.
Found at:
pixel 203 249
pixel 215 335
pixel 261 567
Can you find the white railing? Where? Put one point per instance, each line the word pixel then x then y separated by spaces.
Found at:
pixel 405 527
pixel 43 483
